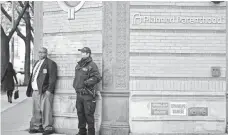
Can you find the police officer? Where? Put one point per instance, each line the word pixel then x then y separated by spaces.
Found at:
pixel 86 78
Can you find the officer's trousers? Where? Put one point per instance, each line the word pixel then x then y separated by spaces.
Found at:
pixel 86 106
pixel 42 111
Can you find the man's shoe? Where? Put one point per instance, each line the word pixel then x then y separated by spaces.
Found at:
pixel 48 132
pixel 33 131
pixel 81 134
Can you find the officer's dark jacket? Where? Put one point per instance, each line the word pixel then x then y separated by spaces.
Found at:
pixel 86 74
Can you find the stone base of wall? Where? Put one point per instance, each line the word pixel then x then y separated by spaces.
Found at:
pixel 114 131
pixel 154 112
pixel 178 127
pixel 66 131
pixel 181 134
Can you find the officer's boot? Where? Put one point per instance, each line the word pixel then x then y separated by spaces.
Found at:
pixel 81 133
pixel 91 131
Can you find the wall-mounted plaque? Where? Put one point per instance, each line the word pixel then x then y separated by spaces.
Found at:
pixel 159 108
pixel 198 111
pixel 215 71
pixel 178 108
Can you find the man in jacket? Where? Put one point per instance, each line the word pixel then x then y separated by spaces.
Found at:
pixel 86 78
pixel 42 87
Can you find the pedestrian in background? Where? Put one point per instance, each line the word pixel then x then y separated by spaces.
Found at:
pixel 8 81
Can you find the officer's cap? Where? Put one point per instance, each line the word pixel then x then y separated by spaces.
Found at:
pixel 85 50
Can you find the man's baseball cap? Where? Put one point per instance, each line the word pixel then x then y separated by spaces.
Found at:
pixel 85 50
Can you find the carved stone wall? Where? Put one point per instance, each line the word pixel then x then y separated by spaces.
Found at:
pixel 115 92
pixel 122 45
pixel 107 45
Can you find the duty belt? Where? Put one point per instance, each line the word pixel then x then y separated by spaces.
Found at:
pixel 85 91
pixel 82 92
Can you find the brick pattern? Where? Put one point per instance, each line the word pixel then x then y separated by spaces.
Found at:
pixel 63 38
pixel 66 63
pixel 65 109
pixel 175 3
pixel 161 41
pixel 85 20
pixel 179 85
pixel 51 6
pixel 138 22
pixel 66 85
pixel 70 43
pixel 171 66
pixel 63 104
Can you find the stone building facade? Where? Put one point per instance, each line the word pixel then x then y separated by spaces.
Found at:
pixel 163 64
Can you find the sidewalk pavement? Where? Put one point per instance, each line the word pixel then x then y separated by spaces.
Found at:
pixel 15 117
pixel 4 100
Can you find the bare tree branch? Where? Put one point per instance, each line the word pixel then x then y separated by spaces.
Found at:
pixel 21 4
pixel 6 14
pixel 20 34
pixel 10 19
pixel 28 14
pixel 32 29
pixel 31 7
pixel 18 12
pixel 18 20
pixel 32 39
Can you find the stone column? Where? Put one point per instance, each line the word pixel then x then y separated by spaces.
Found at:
pixel 38 27
pixel 115 104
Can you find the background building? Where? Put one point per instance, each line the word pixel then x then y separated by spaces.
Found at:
pixel 163 63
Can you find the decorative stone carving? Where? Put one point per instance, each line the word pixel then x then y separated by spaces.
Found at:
pixel 122 46
pixel 115 68
pixel 120 35
pixel 107 45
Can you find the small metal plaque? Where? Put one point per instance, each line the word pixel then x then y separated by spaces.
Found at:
pixel 198 111
pixel 215 71
pixel 178 108
pixel 159 108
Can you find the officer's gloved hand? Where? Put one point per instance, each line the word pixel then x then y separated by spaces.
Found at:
pixel 98 94
pixel 86 83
